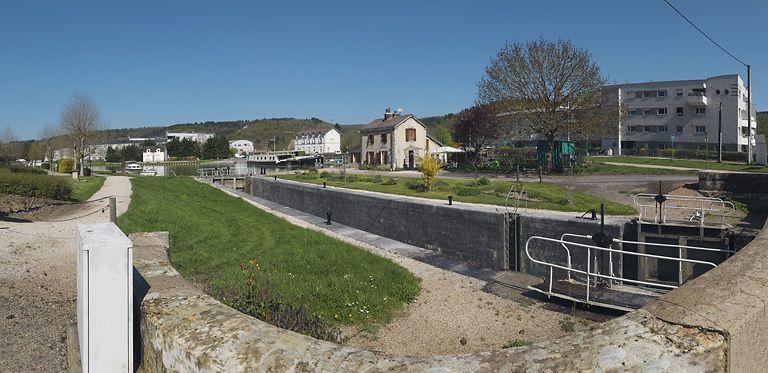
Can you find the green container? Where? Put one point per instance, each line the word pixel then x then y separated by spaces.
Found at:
pixel 562 149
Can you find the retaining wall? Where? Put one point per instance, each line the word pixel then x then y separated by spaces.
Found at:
pixel 477 234
pixel 183 329
pixel 738 184
pixel 474 233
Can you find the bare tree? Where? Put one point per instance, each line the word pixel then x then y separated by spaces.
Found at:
pixel 9 145
pixel 475 127
pixel 50 138
pixel 549 87
pixel 79 120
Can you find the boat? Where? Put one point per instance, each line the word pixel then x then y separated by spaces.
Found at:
pixel 283 159
pixel 148 172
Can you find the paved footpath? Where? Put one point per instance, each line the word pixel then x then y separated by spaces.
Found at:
pixel 38 283
pixel 652 166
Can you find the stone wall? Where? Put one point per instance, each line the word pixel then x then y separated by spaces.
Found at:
pixel 737 184
pixel 477 234
pixel 183 329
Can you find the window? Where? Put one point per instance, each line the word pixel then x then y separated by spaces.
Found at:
pixel 649 129
pixel 639 94
pixel 384 158
pixel 679 91
pixel 649 111
pixel 701 129
pixel 635 112
pixel 717 91
pixel 370 139
pixel 662 94
pixel 650 94
pixel 701 110
pixel 662 111
pixel 410 134
pixel 727 92
pixel 680 129
pixel 635 129
pixel 679 111
pixel 662 129
pixel 383 138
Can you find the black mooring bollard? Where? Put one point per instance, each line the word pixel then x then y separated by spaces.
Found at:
pixel 328 218
pixel 275 177
pixel 323 184
pixel 450 200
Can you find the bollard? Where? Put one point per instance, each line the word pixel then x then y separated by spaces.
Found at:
pixel 328 218
pixel 450 200
pixel 113 209
pixel 539 173
pixel 324 184
pixel 275 177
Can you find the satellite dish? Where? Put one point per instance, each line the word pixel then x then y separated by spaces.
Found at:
pixel 399 110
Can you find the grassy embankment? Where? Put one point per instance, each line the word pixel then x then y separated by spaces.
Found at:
pixel 34 182
pixel 543 195
pixel 689 163
pixel 222 242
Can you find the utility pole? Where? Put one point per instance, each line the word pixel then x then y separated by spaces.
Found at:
pixel 720 134
pixel 749 116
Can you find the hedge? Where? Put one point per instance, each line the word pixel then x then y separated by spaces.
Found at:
pixel 27 170
pixel 34 185
pixel 701 154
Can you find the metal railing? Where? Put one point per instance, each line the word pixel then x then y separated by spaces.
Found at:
pixel 593 272
pixel 690 210
pixel 208 173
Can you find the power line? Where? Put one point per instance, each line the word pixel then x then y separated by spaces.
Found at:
pixel 704 33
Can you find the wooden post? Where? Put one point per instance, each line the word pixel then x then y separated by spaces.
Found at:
pixel 540 175
pixel 113 209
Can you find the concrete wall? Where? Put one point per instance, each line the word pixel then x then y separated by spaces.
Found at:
pixel 183 329
pixel 477 234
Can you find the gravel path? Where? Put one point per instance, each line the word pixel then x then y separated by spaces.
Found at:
pixel 38 283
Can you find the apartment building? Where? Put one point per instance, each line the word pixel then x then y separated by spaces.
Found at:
pixel 321 140
pixel 683 114
pixel 194 136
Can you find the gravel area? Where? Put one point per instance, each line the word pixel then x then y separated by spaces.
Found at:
pixel 38 281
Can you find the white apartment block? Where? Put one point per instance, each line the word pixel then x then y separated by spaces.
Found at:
pixel 318 141
pixel 683 114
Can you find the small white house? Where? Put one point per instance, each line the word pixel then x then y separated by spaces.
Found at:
pixel 318 140
pixel 154 154
pixel 243 147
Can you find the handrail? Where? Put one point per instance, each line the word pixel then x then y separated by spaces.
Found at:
pixel 589 273
pixel 714 206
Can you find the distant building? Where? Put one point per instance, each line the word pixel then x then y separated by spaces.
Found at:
pixel 154 154
pixel 683 112
pixel 319 140
pixel 194 136
pixel 243 147
pixel 397 141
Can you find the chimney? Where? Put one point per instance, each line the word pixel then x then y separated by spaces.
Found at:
pixel 388 114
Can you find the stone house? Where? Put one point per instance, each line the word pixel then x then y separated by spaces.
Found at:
pixel 396 141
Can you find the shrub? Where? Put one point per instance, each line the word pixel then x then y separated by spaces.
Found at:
pixel 483 180
pixel 87 171
pixel 66 165
pixel 26 170
pixel 517 343
pixel 468 191
pixel 429 167
pixel 34 185
pixel 390 181
pixel 416 185
pixel 326 175
pixel 376 179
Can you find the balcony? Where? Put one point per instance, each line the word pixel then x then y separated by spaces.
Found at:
pixel 696 99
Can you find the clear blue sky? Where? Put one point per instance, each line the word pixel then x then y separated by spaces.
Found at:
pixel 152 63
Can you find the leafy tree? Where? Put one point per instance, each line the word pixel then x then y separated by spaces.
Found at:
pixel 148 142
pixel 132 153
pixel 113 155
pixel 216 147
pixel 474 128
pixel 544 85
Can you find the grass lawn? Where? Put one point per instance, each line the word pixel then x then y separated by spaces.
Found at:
pixel 547 196
pixel 212 234
pixel 85 187
pixel 690 163
pixel 596 167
